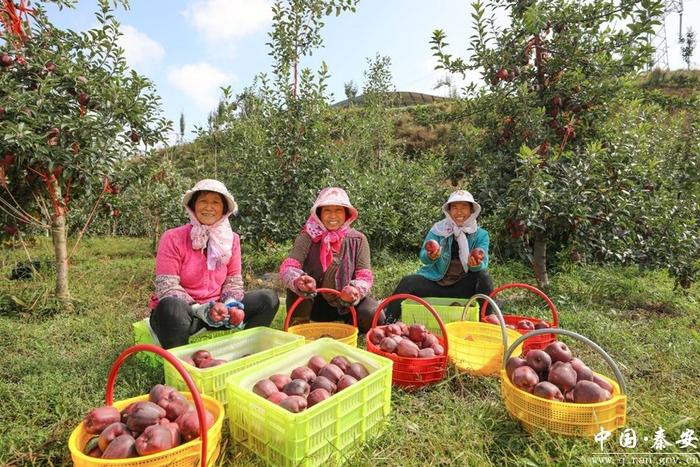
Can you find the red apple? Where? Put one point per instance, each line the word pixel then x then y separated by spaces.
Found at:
pixel 297 387
pixel 200 356
pixel 429 341
pixel 212 363
pixel 6 60
pixel 341 362
pixel 277 397
pixel 280 380
pixel 357 370
pixel 512 364
pixel 493 319
pixel 346 381
pixel 525 325
pixel 83 99
pixel 539 361
pixel 432 247
pixel 316 396
pixel 416 332
pixel 525 378
pixel 332 372
pixel 316 363
pixel 264 388
pixel 547 390
pixel 303 372
pixel 559 352
pixel 294 404
pixel 502 74
pixel 563 376
pixel 235 316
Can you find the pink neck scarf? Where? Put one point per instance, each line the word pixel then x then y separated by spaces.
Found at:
pixel 330 240
pixel 216 238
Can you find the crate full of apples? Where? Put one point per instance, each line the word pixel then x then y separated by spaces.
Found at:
pixel 311 403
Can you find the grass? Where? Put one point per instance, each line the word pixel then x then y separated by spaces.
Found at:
pixel 54 364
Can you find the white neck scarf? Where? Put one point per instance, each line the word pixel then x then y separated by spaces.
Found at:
pixel 448 226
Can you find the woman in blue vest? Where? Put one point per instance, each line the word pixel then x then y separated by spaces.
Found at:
pixel 455 256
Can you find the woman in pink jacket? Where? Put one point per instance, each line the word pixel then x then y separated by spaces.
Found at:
pixel 198 273
pixel 329 253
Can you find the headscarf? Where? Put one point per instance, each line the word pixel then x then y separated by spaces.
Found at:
pixel 330 240
pixel 218 237
pixel 448 226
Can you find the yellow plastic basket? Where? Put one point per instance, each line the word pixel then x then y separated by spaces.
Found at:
pixel 449 309
pixel 566 418
pixel 244 349
pixel 186 455
pixel 478 348
pixel 319 435
pixel 311 331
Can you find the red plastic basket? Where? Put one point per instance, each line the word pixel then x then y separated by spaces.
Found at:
pixel 311 331
pixel 539 341
pixel 412 373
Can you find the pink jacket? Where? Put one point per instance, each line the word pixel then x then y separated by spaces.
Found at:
pixel 182 272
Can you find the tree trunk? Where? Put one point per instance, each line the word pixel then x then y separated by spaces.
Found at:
pixel 156 233
pixel 60 244
pixel 60 248
pixel 294 88
pixel 539 261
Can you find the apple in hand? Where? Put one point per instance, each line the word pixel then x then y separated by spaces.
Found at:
pixel 218 312
pixel 235 316
pixel 432 248
pixel 305 284
pixel 349 294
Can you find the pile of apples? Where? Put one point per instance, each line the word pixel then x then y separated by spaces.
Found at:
pixel 203 359
pixel 524 325
pixel 554 374
pixel 163 422
pixel 309 385
pixel 413 341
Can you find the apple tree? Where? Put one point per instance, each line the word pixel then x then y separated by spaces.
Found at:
pixel 69 109
pixel 554 71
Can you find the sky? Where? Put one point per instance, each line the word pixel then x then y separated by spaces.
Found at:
pixel 190 48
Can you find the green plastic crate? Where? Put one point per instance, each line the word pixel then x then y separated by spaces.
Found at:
pixel 244 349
pixel 319 435
pixel 449 309
pixel 142 335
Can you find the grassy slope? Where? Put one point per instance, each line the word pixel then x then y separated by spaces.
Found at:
pixel 53 365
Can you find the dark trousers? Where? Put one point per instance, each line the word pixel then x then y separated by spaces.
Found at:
pixel 173 323
pixel 320 310
pixel 415 284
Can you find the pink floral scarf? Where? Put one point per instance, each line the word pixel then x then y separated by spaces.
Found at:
pixel 216 238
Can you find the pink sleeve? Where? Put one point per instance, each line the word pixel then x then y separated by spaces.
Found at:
pixel 364 279
pixel 290 269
